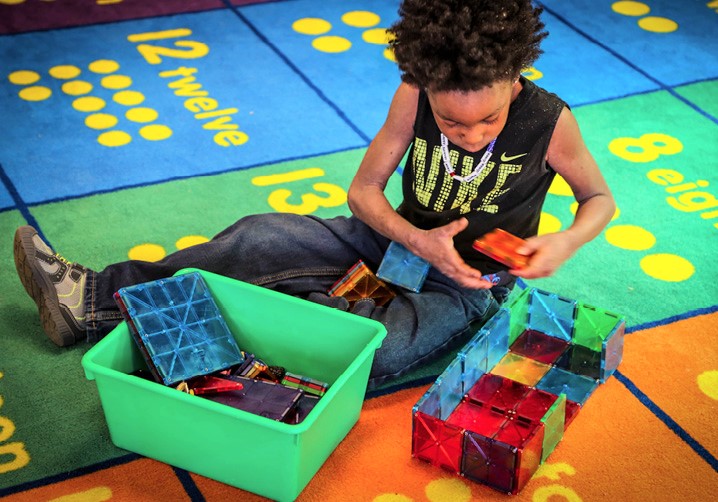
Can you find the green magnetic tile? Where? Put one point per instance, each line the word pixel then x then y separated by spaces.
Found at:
pixel 519 307
pixel 554 423
pixel 593 325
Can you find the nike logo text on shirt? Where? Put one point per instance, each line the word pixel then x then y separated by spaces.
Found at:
pixel 505 158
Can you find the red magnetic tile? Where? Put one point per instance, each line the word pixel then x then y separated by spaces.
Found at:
pixel 572 409
pixel 478 419
pixel 436 442
pixel 535 404
pixel 539 346
pixel 497 392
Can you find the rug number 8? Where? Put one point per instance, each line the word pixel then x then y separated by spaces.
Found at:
pixel 647 148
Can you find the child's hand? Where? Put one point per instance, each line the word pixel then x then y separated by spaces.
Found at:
pixel 547 253
pixel 437 247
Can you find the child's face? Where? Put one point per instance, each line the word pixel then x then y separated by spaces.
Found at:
pixel 472 119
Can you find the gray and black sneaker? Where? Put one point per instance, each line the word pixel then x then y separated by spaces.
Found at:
pixel 56 285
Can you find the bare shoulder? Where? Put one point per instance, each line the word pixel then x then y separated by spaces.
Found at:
pixel 402 112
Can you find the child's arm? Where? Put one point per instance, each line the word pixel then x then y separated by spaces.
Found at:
pixel 367 200
pixel 569 157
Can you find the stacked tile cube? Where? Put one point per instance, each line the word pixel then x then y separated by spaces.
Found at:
pixel 501 406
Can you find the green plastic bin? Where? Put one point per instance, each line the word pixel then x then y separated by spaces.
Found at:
pixel 257 454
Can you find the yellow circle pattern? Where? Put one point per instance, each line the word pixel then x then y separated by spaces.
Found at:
pixel 631 8
pixel 76 87
pixel 630 237
pixel 190 240
pixel 658 24
pixel 560 187
pixel 35 93
pixel 129 98
pixel 155 132
pixel 65 72
pixel 147 252
pixel 88 104
pixel 708 384
pixel 448 490
pixel 377 36
pixel 331 44
pixel 389 54
pixel 23 77
pixel 116 82
pixel 311 26
pixel 104 66
pixel 141 115
pixel 100 121
pixel 114 138
pixel 392 497
pixel 361 19
pixel 548 224
pixel 667 267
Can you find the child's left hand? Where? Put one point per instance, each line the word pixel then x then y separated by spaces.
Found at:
pixel 546 253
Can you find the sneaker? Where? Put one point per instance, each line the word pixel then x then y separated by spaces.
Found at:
pixel 56 285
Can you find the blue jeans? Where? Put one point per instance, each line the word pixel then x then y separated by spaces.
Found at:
pixel 304 256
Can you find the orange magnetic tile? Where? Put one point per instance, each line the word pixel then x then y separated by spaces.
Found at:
pixel 360 282
pixel 501 246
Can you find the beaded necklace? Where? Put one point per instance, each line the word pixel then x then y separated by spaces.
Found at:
pixel 477 170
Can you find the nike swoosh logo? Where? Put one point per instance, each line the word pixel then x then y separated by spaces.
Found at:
pixel 504 158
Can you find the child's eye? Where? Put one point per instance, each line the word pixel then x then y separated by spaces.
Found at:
pixel 492 121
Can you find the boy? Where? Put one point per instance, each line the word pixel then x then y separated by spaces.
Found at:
pixel 485 147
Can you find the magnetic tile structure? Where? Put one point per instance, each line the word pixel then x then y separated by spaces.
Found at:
pixel 502 405
pixel 403 268
pixel 178 328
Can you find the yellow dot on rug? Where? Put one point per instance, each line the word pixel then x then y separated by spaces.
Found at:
pixel 116 82
pixel 114 138
pixel 88 104
pixel 389 54
pixel 104 66
pixel 190 240
pixel 155 132
pixel 658 24
pixel 128 98
pixel 560 187
pixel 631 8
pixel 147 252
pixel 23 77
pixel 392 497
pixel 361 19
pixel 667 267
pixel 35 93
pixel 448 490
pixel 548 224
pixel 311 26
pixel 141 114
pixel 547 494
pixel 331 44
pixel 376 36
pixel 708 383
pixel 631 237
pixel 64 72
pixel 100 121
pixel 76 87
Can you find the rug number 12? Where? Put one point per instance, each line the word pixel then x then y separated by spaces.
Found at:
pixel 184 49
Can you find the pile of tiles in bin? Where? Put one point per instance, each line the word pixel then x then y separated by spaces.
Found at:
pixel 502 405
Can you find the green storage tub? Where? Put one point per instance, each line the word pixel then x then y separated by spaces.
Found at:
pixel 270 458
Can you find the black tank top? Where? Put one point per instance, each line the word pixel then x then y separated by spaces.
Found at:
pixel 509 192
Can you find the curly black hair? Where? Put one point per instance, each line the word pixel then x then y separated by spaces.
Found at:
pixel 465 45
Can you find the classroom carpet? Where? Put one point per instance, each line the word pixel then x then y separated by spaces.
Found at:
pixel 132 129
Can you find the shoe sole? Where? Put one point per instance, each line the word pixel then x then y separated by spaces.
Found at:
pixel 40 289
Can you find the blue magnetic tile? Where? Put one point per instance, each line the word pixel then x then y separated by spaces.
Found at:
pixel 552 314
pixel 612 351
pixel 475 358
pixel 180 327
pixel 430 402
pixel 451 388
pixel 498 328
pixel 403 268
pixel 576 387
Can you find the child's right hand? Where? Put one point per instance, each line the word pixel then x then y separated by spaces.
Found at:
pixel 437 247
